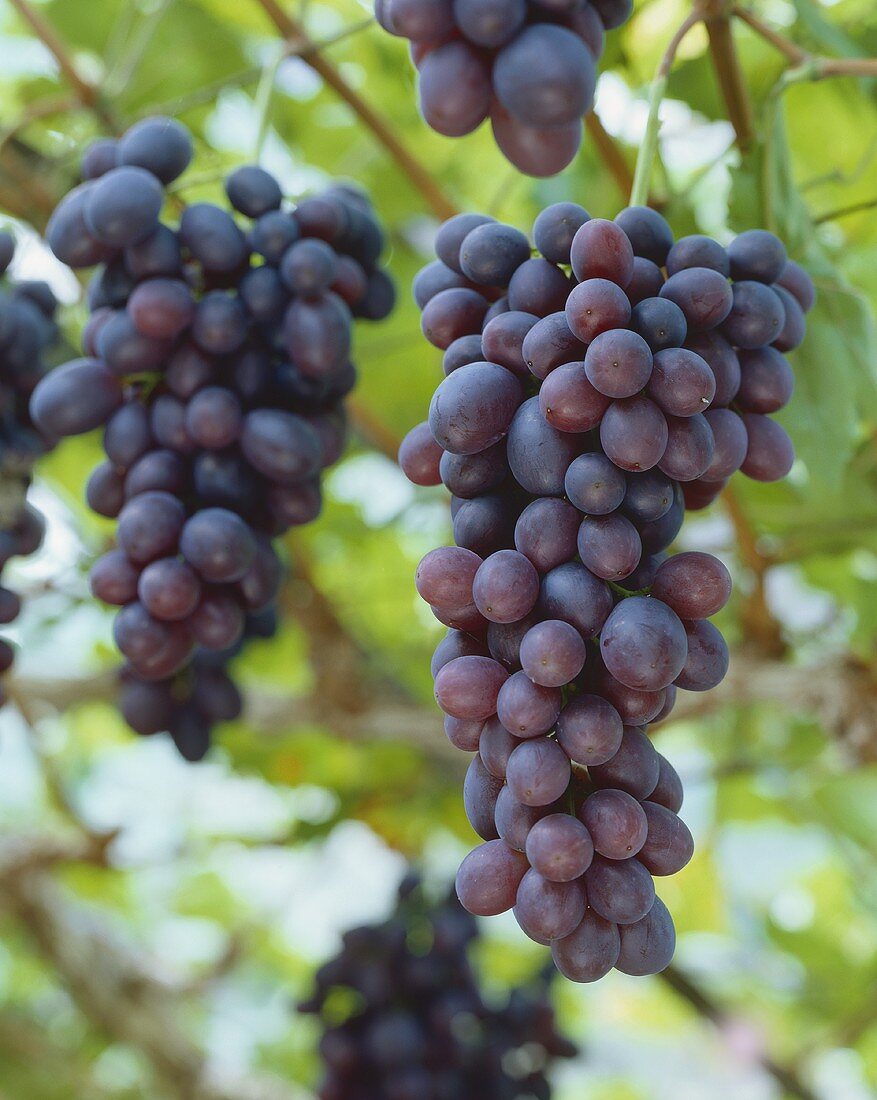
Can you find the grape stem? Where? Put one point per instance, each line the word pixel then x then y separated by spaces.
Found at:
pixel 416 172
pixel 845 211
pixel 264 99
pixel 87 93
pixel 813 68
pixel 729 72
pixel 639 193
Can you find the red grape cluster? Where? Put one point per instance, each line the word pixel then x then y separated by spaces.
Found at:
pixel 218 357
pixel 591 394
pixel 27 333
pixel 421 1029
pixel 531 68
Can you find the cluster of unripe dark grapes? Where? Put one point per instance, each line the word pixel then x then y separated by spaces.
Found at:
pixel 592 393
pixel 530 67
pixel 217 360
pixel 27 333
pixel 421 1029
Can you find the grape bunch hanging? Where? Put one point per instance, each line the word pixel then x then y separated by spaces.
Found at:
pixel 592 393
pixel 422 1030
pixel 531 68
pixel 217 357
pixel 27 333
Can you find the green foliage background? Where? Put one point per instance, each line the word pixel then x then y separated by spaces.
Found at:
pixel 227 883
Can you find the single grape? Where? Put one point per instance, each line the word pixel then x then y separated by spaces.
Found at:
pixel 596 306
pixel 695 585
pixel 756 317
pixel 634 433
pixel 546 532
pixel 455 89
pixel 218 544
pixel 643 644
pixel 648 231
pixel 620 891
pixel 495 746
pixel 757 254
pixel 647 945
pixel 669 845
pixel 703 295
pixel 545 76
pixel 549 910
pixel 555 228
pixel 474 407
pixel 618 363
pixel 480 791
pixel 589 730
pixel 707 660
pixel 569 402
pixel 489 877
pixel 559 848
pixel 590 952
pixel 690 447
pixel 550 343
pixel 506 587
pixel 572 593
pixel 467 687
pixel 615 822
pixel 552 653
pixel 538 455
pixel 698 251
pixel 681 382
pixel 420 456
pixel 538 772
pixel 770 453
pixel 609 546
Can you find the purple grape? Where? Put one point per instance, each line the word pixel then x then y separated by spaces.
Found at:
pixel 643 644
pixel 75 398
pixel 559 848
pixel 609 546
pixel 602 250
pixel 669 845
pixel 491 253
pixel 549 910
pixel 536 150
pixel 648 232
pixel 451 235
pixel 169 589
pixel 538 772
pixel 616 823
pixel 690 447
pixel 766 381
pixel 545 76
pixel 798 283
pixel 502 340
pixel 596 306
pixel 646 282
pixel 572 593
pixel 695 585
pixel 114 577
pixel 698 251
pixel 731 444
pixel 634 433
pixel 489 24
pixel 757 254
pixel 620 891
pixel 546 533
pixel 463 733
pixel 555 228
pixel 538 455
pixel 480 791
pixel 445 576
pixel 420 456
pixel 668 792
pixel 707 660
pixel 527 709
pixel 538 287
pixel 455 89
pixel 506 587
pixel 514 820
pixel 590 952
pixel 681 383
pixel 756 317
pixel 703 295
pixel 647 945
pixel 770 453
pixel 619 363
pixel 212 237
pixel 253 191
pixel 504 641
pixel 552 653
pixel 647 497
pixel 160 145
pixel 489 877
pixel 467 687
pixel 634 768
pixel 469 476
pixel 569 402
pixel 589 730
pixel 149 526
pixel 122 207
pixel 473 408
pixel 218 544
pixel 495 746
pixel 550 343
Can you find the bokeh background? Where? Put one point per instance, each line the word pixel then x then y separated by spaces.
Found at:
pixel 159 920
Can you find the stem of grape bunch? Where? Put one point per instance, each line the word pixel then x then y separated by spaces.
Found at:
pixel 639 193
pixel 265 98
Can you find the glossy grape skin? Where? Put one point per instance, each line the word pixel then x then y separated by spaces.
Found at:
pixel 616 823
pixel 620 891
pixel 105 490
pixel 559 848
pixel 770 453
pixel 159 144
pixel 633 433
pixel 609 546
pixel 467 687
pixel 527 709
pixel 731 442
pixel 799 284
pixel 514 820
pixel 552 653
pixel 643 644
pixel 647 945
pixel 648 496
pixel 602 250
pixel 218 621
pixel 794 329
pixel 123 206
pixel 756 318
pixel 455 89
pixel 554 230
pixel 536 150
pixel 690 447
pixel 697 250
pixel 571 593
pixel 495 746
pixel 462 351
pixel 505 587
pixel 693 584
pixel 681 383
pixel 504 641
pixel 538 772
pixel 212 237
pixel 150 525
pixel 445 576
pixel 766 381
pixel 702 294
pixel 668 792
pixel 757 254
pixel 218 544
pixel 491 253
pixel 552 910
pixel 545 77
pixel 169 589
pixel 451 235
pixel 569 402
pixel 473 408
pixel 419 456
pixel 75 398
pixel 480 791
pixel 549 344
pixel 669 845
pixel 707 661
pixel 503 337
pixel 488 24
pixel 594 485
pixel 596 306
pixel 648 231
pixel 114 577
pixel 469 476
pixel 463 733
pixel 646 282
pixel 546 532
pixel 634 769
pixel 253 191
pixel 590 952
pixel 589 730
pixel 538 287
pixel 155 649
pixel 618 363
pixel 488 879
pixel 723 362
pixel 485 524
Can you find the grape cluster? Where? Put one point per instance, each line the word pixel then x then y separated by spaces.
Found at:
pixel 531 68
pixel 27 333
pixel 421 1029
pixel 217 360
pixel 592 393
